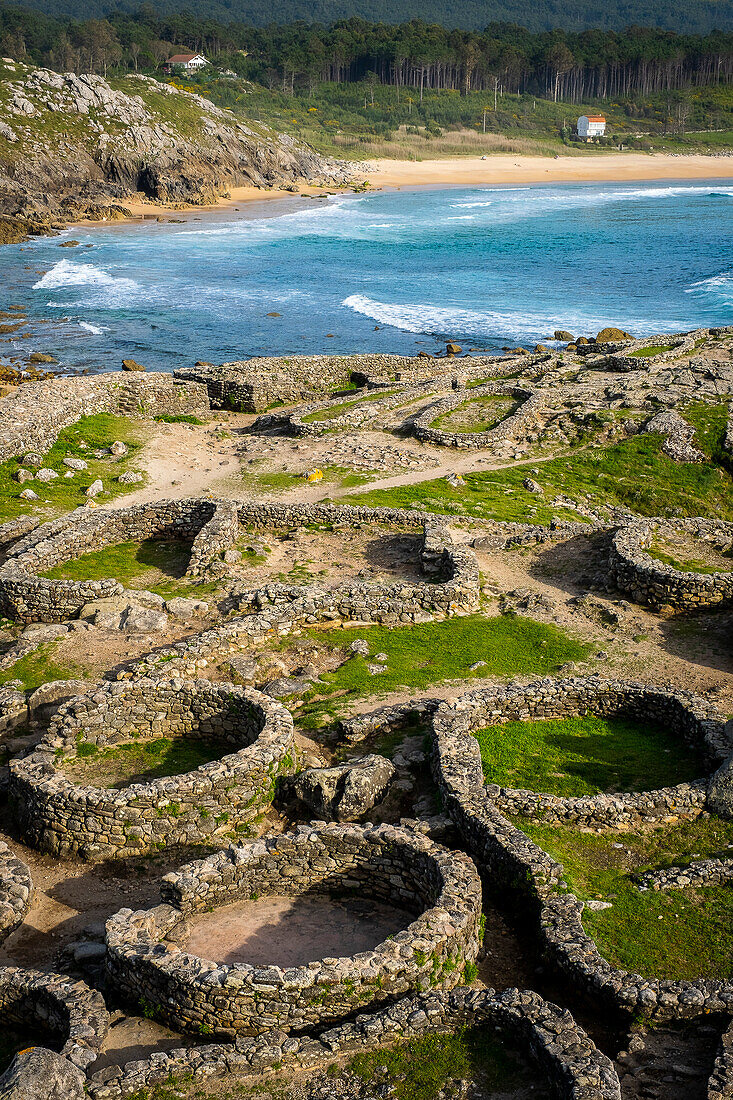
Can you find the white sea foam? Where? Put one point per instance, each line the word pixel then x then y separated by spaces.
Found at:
pixel 96 330
pixel 719 287
pixel 67 273
pixel 508 324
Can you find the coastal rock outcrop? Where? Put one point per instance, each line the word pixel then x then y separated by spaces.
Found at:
pixel 137 138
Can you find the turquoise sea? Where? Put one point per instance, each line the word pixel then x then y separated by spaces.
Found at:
pixel 398 272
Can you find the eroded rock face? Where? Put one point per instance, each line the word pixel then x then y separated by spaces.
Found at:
pixel 347 791
pixel 122 143
pixel 40 1074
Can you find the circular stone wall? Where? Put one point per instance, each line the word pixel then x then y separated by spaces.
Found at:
pixel 207 803
pixel 70 1011
pixel 692 718
pixel 384 863
pixel 648 580
pixel 212 527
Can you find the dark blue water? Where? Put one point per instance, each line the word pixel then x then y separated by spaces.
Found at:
pixel 383 272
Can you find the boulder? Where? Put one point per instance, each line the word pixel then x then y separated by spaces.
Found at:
pixel 453 349
pixel 22 475
pixel 344 792
pixel 94 489
pixel 130 478
pixel 609 335
pixel 40 357
pixel 33 459
pixel 182 608
pixel 118 448
pixel 75 463
pixel 143 620
pixel 533 486
pixel 28 494
pixel 130 364
pixel 44 474
pixel 541 349
pixel 41 1074
pixel 720 790
pixel 563 334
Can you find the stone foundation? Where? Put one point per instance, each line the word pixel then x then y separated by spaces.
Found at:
pixel 509 428
pixel 382 862
pixel 16 891
pixel 574 1068
pixel 202 806
pixel 649 581
pixel 32 417
pixel 69 1010
pixel 25 596
pixel 507 858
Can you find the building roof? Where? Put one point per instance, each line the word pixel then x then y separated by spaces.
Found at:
pixel 594 118
pixel 182 58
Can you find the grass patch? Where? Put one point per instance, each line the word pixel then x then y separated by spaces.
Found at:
pixel 80 441
pixel 340 476
pixel 490 410
pixel 38 668
pixel 423 654
pixel 653 349
pixel 570 757
pixel 153 564
pixel 633 474
pixel 334 411
pixel 684 566
pixel 179 418
pixel 710 422
pixel 677 935
pixel 420 1068
pixel 140 761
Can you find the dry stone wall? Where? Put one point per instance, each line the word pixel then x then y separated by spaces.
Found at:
pixel 16 891
pixel 254 385
pixel 69 1010
pixel 652 582
pixel 32 417
pixel 201 806
pixel 513 425
pixel 574 1068
pixel 720 1084
pixel 390 864
pixel 508 859
pixel 211 526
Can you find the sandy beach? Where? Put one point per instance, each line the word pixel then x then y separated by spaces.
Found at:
pixel 469 171
pixel 518 169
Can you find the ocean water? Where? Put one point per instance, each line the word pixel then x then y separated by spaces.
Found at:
pixel 394 272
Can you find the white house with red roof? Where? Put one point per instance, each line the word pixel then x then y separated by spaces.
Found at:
pixel 189 62
pixel 591 126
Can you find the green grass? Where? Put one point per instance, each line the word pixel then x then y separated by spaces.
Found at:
pixel 63 494
pixel 684 566
pixel 653 349
pixel 419 1068
pixel 633 474
pixel 156 565
pixel 709 421
pixel 570 757
pixel 490 410
pixel 423 654
pixel 140 761
pixel 180 418
pixel 334 411
pixel 39 668
pixel 678 935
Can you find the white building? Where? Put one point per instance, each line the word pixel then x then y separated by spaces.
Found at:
pixel 591 126
pixel 190 62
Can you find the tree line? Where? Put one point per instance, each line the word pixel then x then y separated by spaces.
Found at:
pixel 573 67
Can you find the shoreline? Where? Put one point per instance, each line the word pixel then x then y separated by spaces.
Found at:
pixel 509 168
pixel 495 170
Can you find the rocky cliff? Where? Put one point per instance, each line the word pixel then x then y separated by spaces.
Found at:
pixel 77 146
